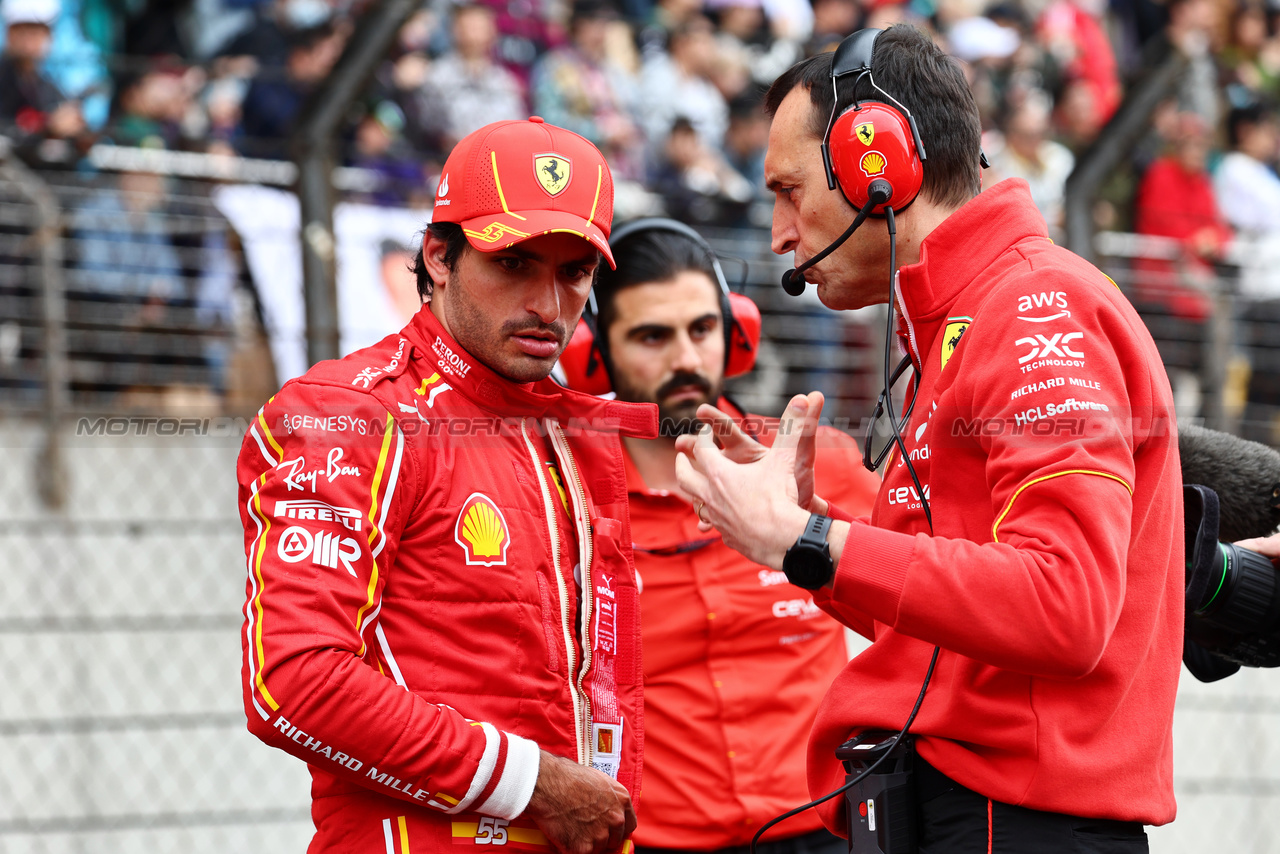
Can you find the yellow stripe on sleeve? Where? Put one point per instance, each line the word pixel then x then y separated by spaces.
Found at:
pixel 271 440
pixel 1005 512
pixel 404 835
pixel 373 525
pixel 262 586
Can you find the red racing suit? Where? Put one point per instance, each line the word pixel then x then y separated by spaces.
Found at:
pixel 414 524
pixel 1045 441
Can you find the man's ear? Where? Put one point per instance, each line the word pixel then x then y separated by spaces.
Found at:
pixel 433 251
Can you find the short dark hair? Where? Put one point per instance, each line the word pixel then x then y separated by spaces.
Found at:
pixel 651 255
pixel 1252 114
pixel 455 242
pixel 910 67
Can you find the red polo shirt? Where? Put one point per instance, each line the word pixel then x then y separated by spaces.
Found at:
pixel 735 663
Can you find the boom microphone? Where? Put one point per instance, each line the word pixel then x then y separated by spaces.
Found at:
pixel 879 191
pixel 1244 474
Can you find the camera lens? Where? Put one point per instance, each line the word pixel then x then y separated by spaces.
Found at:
pixel 1241 595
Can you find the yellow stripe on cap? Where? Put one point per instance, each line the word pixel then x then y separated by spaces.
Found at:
pixel 599 183
pixel 493 158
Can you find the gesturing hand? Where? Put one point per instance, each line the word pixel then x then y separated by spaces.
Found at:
pixel 754 501
pixel 580 810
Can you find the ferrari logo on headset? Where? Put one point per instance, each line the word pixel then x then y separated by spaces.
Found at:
pixel 553 172
pixel 481 530
pixel 865 132
pixel 872 164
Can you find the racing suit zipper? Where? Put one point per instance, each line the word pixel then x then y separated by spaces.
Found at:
pixel 912 346
pixel 582 518
pixel 565 623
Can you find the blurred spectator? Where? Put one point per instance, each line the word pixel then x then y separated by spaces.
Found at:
pixel 1027 152
pixel 696 183
pixel 272 103
pixel 1191 28
pixel 1176 199
pixel 1252 56
pixel 578 88
pixel 746 44
pixel 746 140
pixel 1245 185
pixel 1077 118
pixel 466 89
pixel 32 108
pixel 151 106
pixel 380 147
pixel 122 238
pixel 678 83
pixel 832 21
pixel 1072 32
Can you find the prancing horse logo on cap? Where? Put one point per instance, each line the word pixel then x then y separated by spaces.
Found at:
pixel 553 172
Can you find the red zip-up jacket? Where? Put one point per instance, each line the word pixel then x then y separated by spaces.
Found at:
pixel 414 524
pixel 1044 438
pixel 736 660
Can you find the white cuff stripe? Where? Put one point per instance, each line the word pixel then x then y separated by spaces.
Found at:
pixel 492 741
pixel 519 776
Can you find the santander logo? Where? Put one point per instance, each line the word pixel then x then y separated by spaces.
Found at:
pixel 444 187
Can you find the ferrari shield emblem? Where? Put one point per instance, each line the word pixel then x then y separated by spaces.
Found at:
pixel 865 132
pixel 553 172
pixel 951 336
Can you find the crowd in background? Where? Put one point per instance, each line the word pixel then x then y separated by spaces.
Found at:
pixel 671 91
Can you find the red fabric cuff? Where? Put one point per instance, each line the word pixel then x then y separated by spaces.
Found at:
pixel 873 571
pixel 836 513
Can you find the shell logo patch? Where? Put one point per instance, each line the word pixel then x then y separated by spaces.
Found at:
pixel 872 164
pixel 865 132
pixel 553 172
pixel 482 532
pixel 951 336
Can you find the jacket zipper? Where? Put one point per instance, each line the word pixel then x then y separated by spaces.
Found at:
pixel 583 521
pixel 912 345
pixel 565 624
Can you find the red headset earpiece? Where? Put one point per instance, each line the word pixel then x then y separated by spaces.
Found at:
pixel 873 141
pixel 585 365
pixel 582 364
pixel 744 336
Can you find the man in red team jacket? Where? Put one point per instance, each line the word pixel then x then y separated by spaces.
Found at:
pixel 735 658
pixel 442 617
pixel 1043 440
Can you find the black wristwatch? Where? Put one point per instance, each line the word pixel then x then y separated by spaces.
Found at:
pixel 808 562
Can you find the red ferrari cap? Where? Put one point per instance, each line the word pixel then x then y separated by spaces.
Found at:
pixel 513 180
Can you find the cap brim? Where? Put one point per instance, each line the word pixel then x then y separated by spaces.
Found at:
pixel 492 232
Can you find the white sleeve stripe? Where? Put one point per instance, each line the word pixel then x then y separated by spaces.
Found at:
pixel 489 761
pixel 391 659
pixel 519 776
pixel 386 834
pixel 392 481
pixel 253 431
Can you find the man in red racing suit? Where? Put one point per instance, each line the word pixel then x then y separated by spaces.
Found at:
pixel 441 596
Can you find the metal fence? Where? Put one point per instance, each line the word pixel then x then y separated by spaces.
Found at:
pixel 121 726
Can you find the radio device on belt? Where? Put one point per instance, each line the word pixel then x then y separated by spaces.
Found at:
pixel 882 805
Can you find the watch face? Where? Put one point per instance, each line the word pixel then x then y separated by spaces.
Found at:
pixel 808 566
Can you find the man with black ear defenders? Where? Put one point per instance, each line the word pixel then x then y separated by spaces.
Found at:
pixel 1029 526
pixel 735 659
